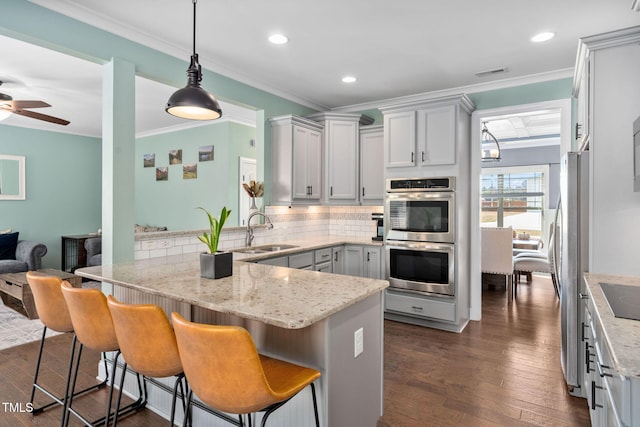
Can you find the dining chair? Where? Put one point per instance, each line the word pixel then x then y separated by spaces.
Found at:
pixel 497 254
pixel 226 372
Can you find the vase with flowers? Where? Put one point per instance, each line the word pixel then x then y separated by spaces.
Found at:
pixel 215 264
pixel 253 189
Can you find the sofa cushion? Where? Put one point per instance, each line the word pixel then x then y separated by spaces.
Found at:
pixel 8 243
pixel 12 266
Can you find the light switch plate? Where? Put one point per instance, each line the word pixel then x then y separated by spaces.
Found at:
pixel 358 342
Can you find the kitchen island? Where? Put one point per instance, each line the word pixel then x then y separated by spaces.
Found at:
pixel 306 317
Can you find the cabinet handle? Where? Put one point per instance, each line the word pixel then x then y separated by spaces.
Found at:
pixel 600 370
pixel 578 127
pixel 583 296
pixel 593 396
pixel 417 308
pixel 423 157
pixel 368 256
pixel 584 338
pixel 331 190
pixel 587 357
pixel 362 191
pixel 336 258
pixel 412 157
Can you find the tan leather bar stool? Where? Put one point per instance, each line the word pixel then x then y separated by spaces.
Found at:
pixel 54 315
pixel 227 373
pixel 94 328
pixel 148 345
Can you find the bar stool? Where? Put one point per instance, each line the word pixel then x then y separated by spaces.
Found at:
pixel 227 373
pixel 54 315
pixel 148 345
pixel 94 328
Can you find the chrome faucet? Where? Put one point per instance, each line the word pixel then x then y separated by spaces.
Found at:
pixel 249 237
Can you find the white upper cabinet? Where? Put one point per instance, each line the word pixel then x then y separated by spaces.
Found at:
pixel 400 139
pixel 425 133
pixel 436 136
pixel 296 159
pixel 372 165
pixel 341 145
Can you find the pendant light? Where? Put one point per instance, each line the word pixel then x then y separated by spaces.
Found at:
pixel 193 102
pixel 489 153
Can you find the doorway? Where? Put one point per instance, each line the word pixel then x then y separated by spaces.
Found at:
pixel 477 119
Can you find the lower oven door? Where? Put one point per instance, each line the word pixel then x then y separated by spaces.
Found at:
pixel 421 267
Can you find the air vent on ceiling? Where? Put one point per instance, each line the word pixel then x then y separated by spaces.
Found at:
pixel 491 72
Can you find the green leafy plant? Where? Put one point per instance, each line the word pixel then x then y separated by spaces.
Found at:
pixel 212 238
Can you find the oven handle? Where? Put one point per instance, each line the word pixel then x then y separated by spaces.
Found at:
pixel 420 246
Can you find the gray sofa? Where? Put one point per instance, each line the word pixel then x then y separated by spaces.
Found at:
pixel 93 246
pixel 28 258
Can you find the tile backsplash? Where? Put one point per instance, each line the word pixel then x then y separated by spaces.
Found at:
pixel 289 223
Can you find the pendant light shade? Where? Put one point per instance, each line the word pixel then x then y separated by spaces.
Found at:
pixel 193 102
pixel 490 148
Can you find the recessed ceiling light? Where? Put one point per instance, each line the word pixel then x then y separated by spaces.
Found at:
pixel 348 79
pixel 278 39
pixel 542 37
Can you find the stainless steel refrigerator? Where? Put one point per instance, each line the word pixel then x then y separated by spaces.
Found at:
pixel 572 260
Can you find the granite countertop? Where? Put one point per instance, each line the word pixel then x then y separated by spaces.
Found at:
pixel 279 296
pixel 622 335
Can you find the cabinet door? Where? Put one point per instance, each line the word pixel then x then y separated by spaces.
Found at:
pixel 437 136
pixel 400 139
pixel 372 266
pixel 353 261
pixel 313 162
pixel 307 146
pixel 338 260
pixel 343 160
pixel 371 167
pixel 300 149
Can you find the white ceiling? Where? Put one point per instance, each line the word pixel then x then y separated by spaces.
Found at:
pixel 395 49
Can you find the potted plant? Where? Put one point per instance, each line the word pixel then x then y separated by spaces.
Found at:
pixel 215 264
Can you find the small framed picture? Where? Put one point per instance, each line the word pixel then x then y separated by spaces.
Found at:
pixel 175 157
pixel 162 173
pixel 149 160
pixel 205 153
pixel 190 171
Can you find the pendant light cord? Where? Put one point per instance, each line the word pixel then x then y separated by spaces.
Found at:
pixel 194 26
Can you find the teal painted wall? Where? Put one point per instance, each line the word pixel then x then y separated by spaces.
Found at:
pixel 525 94
pixel 173 203
pixel 63 187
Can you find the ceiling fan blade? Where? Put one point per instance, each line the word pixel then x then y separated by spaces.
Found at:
pixel 41 116
pixel 29 104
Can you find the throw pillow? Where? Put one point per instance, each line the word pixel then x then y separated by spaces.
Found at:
pixel 8 243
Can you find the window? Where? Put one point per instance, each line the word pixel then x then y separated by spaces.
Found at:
pixel 514 197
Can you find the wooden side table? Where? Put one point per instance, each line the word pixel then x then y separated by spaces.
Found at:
pixel 15 285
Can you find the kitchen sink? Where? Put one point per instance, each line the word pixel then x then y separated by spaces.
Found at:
pixel 264 249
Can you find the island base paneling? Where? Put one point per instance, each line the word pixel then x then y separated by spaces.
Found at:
pixel 348 394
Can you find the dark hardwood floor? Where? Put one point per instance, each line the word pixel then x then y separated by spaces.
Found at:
pixel 502 371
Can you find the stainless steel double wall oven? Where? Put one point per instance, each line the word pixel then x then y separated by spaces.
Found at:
pixel 420 234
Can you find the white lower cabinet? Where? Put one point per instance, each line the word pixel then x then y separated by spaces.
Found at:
pixel 419 307
pixel 351 260
pixel 609 394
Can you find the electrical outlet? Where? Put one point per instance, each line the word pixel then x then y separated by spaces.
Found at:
pixel 358 342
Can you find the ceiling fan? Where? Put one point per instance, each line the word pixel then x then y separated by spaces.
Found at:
pixel 8 105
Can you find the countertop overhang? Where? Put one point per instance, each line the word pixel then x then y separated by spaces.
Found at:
pixel 279 296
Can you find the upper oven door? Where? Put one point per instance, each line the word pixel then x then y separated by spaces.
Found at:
pixel 420 216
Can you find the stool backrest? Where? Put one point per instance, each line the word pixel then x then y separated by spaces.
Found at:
pixel 91 318
pixel 497 250
pixel 50 304
pixel 146 338
pixel 222 366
